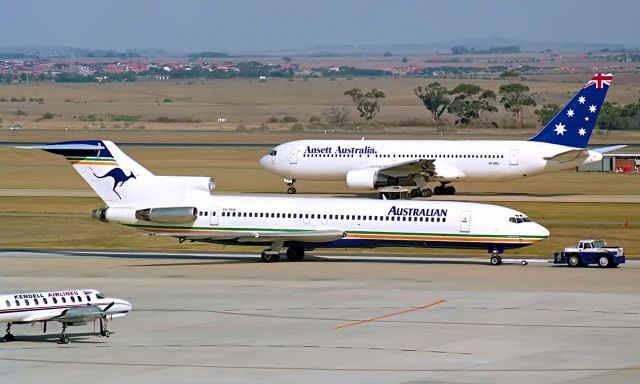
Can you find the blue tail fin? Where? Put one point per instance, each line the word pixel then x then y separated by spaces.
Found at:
pixel 572 126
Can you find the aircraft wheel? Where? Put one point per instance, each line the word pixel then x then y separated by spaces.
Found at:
pixel 450 190
pixel 295 254
pixel 414 193
pixel 427 192
pixel 495 260
pixel 9 337
pixel 438 190
pixel 604 261
pixel 291 191
pixel 64 340
pixel 270 257
pixel 105 333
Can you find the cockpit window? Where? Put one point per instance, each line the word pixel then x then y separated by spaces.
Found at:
pixel 519 219
pixel 99 295
pixel 273 152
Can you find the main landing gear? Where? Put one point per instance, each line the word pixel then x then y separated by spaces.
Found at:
pixel 291 188
pixel 8 336
pixel 421 192
pixel 64 339
pixel 444 189
pixel 272 255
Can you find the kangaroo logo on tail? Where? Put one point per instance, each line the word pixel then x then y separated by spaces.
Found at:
pixel 118 176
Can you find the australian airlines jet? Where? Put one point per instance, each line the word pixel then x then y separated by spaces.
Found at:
pixel 187 208
pixel 388 165
pixel 71 307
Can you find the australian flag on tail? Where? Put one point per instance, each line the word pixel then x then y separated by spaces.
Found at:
pixel 573 125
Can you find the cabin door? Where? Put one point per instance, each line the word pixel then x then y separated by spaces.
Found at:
pixel 214 216
pixel 513 157
pixel 293 156
pixel 465 221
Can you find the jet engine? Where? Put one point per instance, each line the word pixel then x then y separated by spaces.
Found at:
pixel 370 178
pixel 172 215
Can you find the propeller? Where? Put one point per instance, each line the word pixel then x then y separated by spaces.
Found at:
pixel 108 306
pixel 44 328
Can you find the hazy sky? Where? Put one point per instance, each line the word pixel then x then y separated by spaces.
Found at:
pixel 234 26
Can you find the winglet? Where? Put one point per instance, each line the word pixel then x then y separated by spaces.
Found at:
pixel 573 125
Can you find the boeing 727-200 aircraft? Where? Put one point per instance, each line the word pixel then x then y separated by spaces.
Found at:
pixel 70 307
pixel 392 165
pixel 186 208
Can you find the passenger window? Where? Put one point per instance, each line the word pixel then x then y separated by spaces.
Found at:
pixel 88 298
pixel 17 303
pixel 444 219
pixel 63 300
pixel 79 299
pixel 45 301
pixel 73 299
pixel 206 213
pixel 8 303
pixel 36 301
pixel 26 302
pixel 55 301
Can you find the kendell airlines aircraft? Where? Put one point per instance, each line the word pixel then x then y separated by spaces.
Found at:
pixel 391 165
pixel 186 208
pixel 72 307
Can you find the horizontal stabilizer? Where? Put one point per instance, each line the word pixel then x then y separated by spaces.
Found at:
pixel 609 148
pixel 65 147
pixel 571 155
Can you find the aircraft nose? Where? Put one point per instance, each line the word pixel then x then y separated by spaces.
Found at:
pixel 542 232
pixel 126 306
pixel 267 161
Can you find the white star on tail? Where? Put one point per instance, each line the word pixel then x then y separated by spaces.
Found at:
pixel 582 131
pixel 582 99
pixel 570 113
pixel 560 129
pixel 592 109
pixel 586 118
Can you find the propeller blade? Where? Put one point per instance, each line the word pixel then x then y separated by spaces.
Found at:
pixel 108 306
pixel 44 330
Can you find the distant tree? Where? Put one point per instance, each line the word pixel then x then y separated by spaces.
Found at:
pixel 434 97
pixel 547 112
pixel 614 116
pixel 387 54
pixel 470 101
pixel 368 104
pixel 404 60
pixel 337 115
pixel 509 75
pixel 286 59
pixel 515 97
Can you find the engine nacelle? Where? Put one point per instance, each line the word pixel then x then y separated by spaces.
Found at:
pixel 369 178
pixel 170 215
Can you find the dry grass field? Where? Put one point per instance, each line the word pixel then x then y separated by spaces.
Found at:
pixel 249 102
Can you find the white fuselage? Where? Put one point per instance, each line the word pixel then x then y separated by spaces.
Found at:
pixel 471 160
pixel 365 223
pixel 44 306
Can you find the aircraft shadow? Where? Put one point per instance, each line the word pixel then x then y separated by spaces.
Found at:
pixel 77 338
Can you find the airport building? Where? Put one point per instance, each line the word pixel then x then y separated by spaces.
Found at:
pixel 614 162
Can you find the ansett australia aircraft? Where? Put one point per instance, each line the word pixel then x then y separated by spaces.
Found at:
pixel 186 208
pixel 72 307
pixel 391 165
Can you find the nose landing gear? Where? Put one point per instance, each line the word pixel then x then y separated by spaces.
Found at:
pixel 291 190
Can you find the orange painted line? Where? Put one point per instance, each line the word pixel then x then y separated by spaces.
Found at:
pixel 391 314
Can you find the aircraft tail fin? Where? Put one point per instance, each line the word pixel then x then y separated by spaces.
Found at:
pixel 107 169
pixel 573 125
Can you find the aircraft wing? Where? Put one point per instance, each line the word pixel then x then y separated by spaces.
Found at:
pixel 571 155
pixel 310 236
pixel 81 314
pixel 428 168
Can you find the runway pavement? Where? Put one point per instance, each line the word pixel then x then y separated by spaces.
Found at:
pixel 206 317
